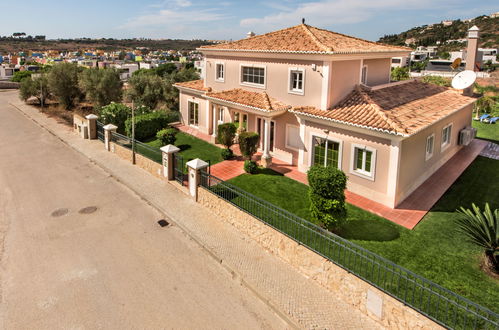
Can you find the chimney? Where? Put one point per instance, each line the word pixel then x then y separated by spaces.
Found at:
pixel 250 34
pixel 472 50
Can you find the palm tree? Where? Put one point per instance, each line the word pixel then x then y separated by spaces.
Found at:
pixel 482 229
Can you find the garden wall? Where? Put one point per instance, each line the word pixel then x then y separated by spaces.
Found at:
pixel 381 307
pixel 144 163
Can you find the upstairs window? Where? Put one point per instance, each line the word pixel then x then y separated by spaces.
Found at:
pixel 430 141
pixel 363 76
pixel 296 81
pixel 220 72
pixel 446 136
pixel 253 75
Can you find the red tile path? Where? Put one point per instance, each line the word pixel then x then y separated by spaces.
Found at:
pixel 407 214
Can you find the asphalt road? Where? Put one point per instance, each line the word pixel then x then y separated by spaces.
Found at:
pixel 79 250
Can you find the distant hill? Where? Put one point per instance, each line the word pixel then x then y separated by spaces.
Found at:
pixel 441 33
pixel 11 44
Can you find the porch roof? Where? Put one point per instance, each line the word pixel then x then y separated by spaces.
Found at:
pixel 254 100
pixel 197 85
pixel 401 109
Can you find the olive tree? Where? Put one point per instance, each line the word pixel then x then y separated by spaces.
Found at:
pixel 146 89
pixel 101 86
pixel 63 83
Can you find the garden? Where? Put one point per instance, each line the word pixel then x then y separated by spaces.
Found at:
pixel 435 249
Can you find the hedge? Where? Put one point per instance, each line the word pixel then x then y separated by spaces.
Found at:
pixel 147 125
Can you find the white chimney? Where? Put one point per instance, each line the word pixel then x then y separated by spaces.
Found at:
pixel 250 34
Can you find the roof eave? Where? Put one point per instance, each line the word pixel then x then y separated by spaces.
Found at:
pixel 259 110
pixel 302 52
pixel 189 89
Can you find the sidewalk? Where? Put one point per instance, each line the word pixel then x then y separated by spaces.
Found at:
pixel 292 295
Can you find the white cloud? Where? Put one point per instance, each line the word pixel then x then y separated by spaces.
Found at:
pixel 334 12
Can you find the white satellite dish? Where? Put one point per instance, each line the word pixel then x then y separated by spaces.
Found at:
pixel 463 79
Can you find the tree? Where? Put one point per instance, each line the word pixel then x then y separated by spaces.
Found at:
pixel 171 93
pixel 399 74
pixel 116 114
pixel 327 196
pixel 63 83
pixel 482 229
pixel 34 87
pixel 146 89
pixel 248 143
pixel 101 86
pixel 20 76
pixel 225 135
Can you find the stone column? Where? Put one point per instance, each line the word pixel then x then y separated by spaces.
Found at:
pixel 194 167
pixel 240 129
pixel 108 133
pixel 266 158
pixel 301 152
pixel 92 126
pixel 168 153
pixel 215 123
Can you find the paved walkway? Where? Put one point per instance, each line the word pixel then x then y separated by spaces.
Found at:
pixel 409 213
pixel 299 299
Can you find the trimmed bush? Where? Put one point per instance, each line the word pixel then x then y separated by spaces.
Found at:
pixel 226 134
pixel 116 114
pixel 250 167
pixel 327 196
pixel 227 154
pixel 248 143
pixel 147 125
pixel 167 136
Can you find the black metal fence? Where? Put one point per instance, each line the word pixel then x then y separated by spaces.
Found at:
pixel 179 169
pixel 430 299
pixel 100 131
pixel 141 148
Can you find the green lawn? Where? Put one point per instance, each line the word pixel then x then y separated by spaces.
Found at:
pixel 487 131
pixel 191 147
pixel 434 249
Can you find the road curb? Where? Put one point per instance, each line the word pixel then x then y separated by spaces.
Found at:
pixel 235 274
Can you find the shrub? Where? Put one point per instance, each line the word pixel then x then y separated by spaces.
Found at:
pixel 147 125
pixel 327 196
pixel 227 154
pixel 226 134
pixel 399 74
pixel 250 166
pixel 20 76
pixel 167 136
pixel 248 143
pixel 436 80
pixel 482 229
pixel 116 114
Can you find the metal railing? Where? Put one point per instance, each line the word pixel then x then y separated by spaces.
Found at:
pixel 179 169
pixel 430 299
pixel 141 148
pixel 100 131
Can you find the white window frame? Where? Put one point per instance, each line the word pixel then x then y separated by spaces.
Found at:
pixel 332 139
pixel 428 155
pixel 445 144
pixel 220 110
pixel 218 79
pixel 361 75
pixel 241 82
pixel 189 114
pixel 290 88
pixel 287 130
pixel 361 173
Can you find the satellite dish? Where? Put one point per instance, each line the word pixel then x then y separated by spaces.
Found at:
pixel 456 63
pixel 463 79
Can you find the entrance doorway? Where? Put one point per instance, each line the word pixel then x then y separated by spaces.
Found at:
pixel 260 129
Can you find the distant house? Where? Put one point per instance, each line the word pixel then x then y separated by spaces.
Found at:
pixel 318 97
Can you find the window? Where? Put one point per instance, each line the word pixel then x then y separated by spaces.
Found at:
pixel 253 75
pixel 363 76
pixel 325 152
pixel 193 113
pixel 430 141
pixel 220 114
pixel 293 140
pixel 220 72
pixel 446 131
pixel 396 60
pixel 296 81
pixel 363 161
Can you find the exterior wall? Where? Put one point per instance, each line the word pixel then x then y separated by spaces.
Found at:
pixel 204 116
pixel 390 313
pixel 277 75
pixel 344 76
pixel 414 168
pixel 376 189
pixel 281 151
pixel 378 71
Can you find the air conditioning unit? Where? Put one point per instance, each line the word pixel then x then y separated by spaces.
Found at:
pixel 466 135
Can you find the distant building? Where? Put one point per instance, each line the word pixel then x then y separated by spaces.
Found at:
pixel 494 15
pixel 400 62
pixel 447 22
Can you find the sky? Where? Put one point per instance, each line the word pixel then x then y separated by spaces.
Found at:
pixel 227 19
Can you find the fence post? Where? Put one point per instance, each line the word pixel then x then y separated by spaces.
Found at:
pixel 108 133
pixel 92 126
pixel 195 166
pixel 168 153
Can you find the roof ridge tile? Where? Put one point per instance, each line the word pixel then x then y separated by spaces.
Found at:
pixel 315 39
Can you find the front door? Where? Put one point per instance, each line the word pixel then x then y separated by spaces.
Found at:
pixel 325 152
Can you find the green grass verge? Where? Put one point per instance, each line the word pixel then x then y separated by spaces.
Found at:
pixel 487 131
pixel 434 249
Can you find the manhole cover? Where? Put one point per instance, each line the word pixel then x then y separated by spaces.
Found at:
pixel 60 212
pixel 88 210
pixel 163 223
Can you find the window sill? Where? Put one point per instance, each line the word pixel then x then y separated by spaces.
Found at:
pixel 296 92
pixel 253 85
pixel 444 147
pixel 363 175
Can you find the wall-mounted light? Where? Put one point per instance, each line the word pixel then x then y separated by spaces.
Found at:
pixel 314 66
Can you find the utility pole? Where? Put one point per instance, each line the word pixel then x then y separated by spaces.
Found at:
pixel 41 90
pixel 133 133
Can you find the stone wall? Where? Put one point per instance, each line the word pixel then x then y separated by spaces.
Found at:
pixel 383 308
pixel 144 163
pixel 9 85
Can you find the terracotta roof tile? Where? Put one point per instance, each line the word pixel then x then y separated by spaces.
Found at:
pixel 307 39
pixel 194 84
pixel 402 109
pixel 260 101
